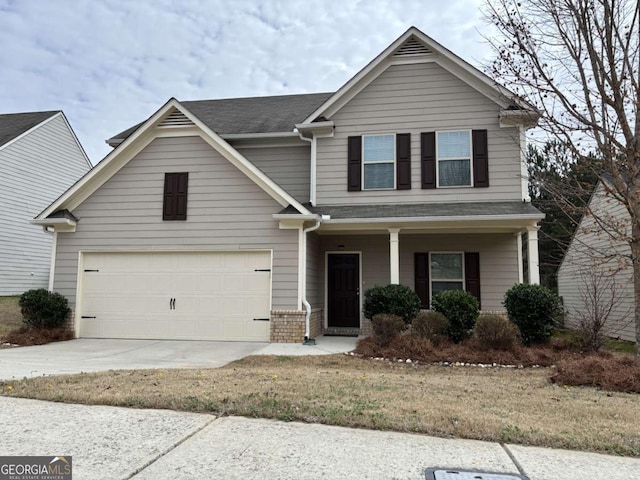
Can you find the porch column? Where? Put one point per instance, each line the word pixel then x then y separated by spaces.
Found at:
pixel 394 256
pixel 519 247
pixel 532 253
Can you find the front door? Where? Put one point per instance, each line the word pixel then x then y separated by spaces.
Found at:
pixel 343 290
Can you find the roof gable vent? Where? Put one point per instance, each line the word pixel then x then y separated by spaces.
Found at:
pixel 412 47
pixel 176 119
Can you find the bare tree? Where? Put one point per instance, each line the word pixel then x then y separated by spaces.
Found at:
pixel 603 312
pixel 577 62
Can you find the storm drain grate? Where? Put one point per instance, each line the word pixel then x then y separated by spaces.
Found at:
pixel 452 474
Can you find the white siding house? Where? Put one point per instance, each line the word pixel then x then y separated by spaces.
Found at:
pixel 40 158
pixel 600 260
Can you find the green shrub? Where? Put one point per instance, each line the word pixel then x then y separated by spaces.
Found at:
pixel 494 332
pixel 534 309
pixel 392 299
pixel 386 327
pixel 460 308
pixel 431 325
pixel 44 309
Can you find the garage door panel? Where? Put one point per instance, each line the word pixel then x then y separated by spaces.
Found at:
pixel 217 295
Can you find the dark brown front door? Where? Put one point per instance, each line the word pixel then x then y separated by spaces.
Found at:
pixel 343 290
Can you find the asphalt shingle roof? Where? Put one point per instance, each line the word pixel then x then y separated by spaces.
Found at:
pixel 14 124
pixel 421 210
pixel 251 115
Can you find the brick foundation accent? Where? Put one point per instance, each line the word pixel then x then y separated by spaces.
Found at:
pixel 316 322
pixel 287 326
pixel 366 329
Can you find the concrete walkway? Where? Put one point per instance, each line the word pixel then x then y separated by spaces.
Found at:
pixel 95 355
pixel 121 443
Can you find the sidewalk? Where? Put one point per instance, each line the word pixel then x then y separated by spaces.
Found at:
pixel 122 443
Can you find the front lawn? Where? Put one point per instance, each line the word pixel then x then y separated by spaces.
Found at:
pixel 496 404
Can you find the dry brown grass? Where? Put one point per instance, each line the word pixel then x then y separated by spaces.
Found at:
pixel 508 405
pixel 10 317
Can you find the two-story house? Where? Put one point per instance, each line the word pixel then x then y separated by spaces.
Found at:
pixel 40 158
pixel 267 218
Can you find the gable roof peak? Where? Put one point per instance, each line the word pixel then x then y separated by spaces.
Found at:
pixel 415 45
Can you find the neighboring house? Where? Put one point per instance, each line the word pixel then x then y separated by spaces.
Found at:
pixel 233 219
pixel 40 158
pixel 596 270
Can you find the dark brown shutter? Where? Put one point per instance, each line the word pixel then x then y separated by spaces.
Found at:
pixel 480 159
pixel 175 196
pixel 472 274
pixel 403 161
pixel 428 159
pixel 354 164
pixel 421 274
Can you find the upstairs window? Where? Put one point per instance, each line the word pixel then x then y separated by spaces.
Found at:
pixel 378 159
pixel 175 196
pixel 454 158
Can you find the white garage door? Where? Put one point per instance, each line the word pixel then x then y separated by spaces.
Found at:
pixel 177 296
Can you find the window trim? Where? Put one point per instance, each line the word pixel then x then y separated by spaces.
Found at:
pixel 431 279
pixel 394 163
pixel 470 132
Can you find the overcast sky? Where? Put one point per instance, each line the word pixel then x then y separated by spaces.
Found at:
pixel 109 64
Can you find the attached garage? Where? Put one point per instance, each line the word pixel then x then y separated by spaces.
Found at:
pixel 175 295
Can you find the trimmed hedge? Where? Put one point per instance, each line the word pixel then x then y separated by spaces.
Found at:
pixel 534 309
pixel 391 299
pixel 461 309
pixel 44 309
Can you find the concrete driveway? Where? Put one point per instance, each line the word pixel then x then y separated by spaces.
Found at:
pixel 123 443
pixel 93 355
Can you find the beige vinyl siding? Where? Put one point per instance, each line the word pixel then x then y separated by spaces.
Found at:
pixel 592 249
pixel 287 166
pixel 498 258
pixel 413 99
pixel 226 211
pixel 34 171
pixel 315 274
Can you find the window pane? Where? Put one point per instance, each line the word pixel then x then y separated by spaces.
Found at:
pixel 454 145
pixel 437 287
pixel 446 265
pixel 453 173
pixel 378 175
pixel 378 148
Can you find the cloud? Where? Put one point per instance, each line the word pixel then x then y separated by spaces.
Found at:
pixel 111 64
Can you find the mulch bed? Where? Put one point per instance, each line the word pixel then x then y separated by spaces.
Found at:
pixel 25 336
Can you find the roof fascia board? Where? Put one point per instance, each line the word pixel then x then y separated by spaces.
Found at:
pixel 448 218
pixel 244 165
pixel 27 132
pixel 95 178
pixel 258 136
pixel 58 224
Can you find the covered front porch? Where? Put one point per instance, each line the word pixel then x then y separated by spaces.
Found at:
pixel 481 248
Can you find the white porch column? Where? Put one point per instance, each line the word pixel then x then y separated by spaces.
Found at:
pixel 532 254
pixel 394 256
pixel 519 247
pixel 52 264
